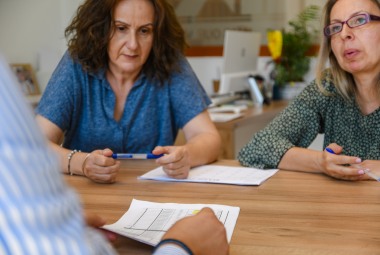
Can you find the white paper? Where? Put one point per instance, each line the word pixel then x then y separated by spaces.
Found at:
pixel 216 174
pixel 224 117
pixel 147 222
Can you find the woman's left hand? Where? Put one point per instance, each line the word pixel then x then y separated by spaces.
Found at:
pixel 175 162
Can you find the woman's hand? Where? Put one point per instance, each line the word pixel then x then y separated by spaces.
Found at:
pixel 203 233
pixel 372 166
pixel 101 167
pixel 341 166
pixel 95 221
pixel 175 162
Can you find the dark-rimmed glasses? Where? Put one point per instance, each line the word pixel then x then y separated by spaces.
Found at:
pixel 355 21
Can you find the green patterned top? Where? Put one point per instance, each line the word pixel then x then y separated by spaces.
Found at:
pixel 309 114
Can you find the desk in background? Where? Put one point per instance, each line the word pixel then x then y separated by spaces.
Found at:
pixel 291 213
pixel 236 133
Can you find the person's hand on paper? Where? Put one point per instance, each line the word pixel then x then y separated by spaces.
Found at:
pixel 175 162
pixel 95 221
pixel 203 233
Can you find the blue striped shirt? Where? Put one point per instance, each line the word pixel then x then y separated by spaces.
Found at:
pixel 39 214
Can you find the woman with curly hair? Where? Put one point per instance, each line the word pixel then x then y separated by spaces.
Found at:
pixel 124 86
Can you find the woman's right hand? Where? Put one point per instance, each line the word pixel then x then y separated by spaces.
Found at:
pixel 203 233
pixel 341 166
pixel 100 167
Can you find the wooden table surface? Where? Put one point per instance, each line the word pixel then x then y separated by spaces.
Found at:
pixel 291 213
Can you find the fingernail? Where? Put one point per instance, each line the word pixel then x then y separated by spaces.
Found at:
pixel 361 172
pixel 358 160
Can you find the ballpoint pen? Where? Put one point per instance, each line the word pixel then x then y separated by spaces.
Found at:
pixel 135 156
pixel 330 150
pixel 372 175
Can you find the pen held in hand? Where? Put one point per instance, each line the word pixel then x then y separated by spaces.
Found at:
pixel 136 156
pixel 372 175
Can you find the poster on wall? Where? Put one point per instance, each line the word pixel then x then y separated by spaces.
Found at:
pixel 205 21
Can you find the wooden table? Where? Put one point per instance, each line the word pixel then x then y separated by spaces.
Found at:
pixel 291 213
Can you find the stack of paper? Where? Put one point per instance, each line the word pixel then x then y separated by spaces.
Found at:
pixel 147 222
pixel 216 174
pixel 224 117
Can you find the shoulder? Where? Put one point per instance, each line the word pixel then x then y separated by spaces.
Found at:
pixel 184 66
pixel 70 72
pixel 323 89
pixel 184 76
pixel 326 83
pixel 316 96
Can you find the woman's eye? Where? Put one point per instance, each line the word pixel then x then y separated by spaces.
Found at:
pixel 360 21
pixel 120 28
pixel 145 31
pixel 336 28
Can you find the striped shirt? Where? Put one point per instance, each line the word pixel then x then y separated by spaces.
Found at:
pixel 39 214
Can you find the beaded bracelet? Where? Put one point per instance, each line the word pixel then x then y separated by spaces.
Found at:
pixel 174 241
pixel 69 157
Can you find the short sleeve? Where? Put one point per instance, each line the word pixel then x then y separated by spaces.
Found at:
pixel 57 102
pixel 187 95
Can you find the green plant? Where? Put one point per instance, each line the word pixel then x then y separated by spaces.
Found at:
pixel 294 64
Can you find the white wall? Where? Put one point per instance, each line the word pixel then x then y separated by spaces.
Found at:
pixel 34 29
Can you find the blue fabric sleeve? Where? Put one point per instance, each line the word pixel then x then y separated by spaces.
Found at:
pixel 187 95
pixel 39 213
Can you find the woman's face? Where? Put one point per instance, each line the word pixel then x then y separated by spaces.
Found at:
pixel 356 49
pixel 132 40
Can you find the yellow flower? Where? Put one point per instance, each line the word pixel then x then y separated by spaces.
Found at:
pixel 275 43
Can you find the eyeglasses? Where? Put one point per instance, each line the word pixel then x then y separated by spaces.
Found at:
pixel 355 21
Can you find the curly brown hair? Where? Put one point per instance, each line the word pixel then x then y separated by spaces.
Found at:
pixel 92 27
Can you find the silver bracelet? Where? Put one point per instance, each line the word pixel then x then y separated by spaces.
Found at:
pixel 69 157
pixel 84 162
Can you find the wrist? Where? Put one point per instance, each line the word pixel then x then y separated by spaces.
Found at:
pixel 84 164
pixel 70 168
pixel 171 243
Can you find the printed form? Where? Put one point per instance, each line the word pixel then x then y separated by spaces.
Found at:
pixel 216 174
pixel 147 222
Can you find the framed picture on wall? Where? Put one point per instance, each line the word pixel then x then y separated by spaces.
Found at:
pixel 27 78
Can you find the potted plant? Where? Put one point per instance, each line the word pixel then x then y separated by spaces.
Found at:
pixel 291 63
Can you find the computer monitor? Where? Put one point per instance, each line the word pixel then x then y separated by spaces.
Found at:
pixel 240 60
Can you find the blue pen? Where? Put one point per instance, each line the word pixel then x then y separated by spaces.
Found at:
pixel 135 156
pixel 373 176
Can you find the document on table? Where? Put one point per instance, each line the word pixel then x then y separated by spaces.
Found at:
pixel 147 222
pixel 216 174
pixel 224 117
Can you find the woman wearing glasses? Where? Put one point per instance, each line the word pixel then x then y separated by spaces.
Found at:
pixel 343 103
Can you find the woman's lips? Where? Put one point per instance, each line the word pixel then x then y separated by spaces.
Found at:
pixel 350 53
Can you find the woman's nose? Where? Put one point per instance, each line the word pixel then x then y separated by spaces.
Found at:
pixel 132 42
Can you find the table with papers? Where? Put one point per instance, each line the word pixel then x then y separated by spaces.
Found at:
pixel 291 213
